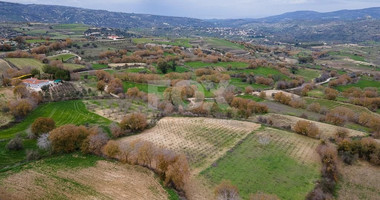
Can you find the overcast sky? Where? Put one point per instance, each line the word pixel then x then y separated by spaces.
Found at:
pixel 207 9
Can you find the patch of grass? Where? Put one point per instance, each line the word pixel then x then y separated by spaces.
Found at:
pixel 251 97
pixel 26 62
pixel 254 167
pixel 362 83
pixel 200 64
pixel 266 71
pixel 69 161
pixel 36 41
pixel 8 158
pixel 64 57
pixel 224 43
pixel 241 85
pixel 308 74
pixel 64 112
pixel 99 66
pixel 148 88
pixel 349 55
pixel 184 42
pixel 70 66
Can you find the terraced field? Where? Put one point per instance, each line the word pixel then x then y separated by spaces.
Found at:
pixel 203 140
pixel 26 62
pixel 64 112
pixel 75 176
pixel 270 161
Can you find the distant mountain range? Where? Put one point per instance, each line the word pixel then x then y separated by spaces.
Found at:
pixel 14 12
pixel 301 26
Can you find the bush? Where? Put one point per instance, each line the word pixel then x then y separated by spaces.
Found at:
pixel 341 134
pixel 306 128
pixel 43 142
pixel 314 107
pixel 68 138
pixel 248 89
pixel 282 98
pixel 111 149
pixel 21 108
pixel 116 130
pixel 263 95
pixel 96 142
pixel 134 122
pixel 32 155
pixel 15 144
pixel 42 125
pixel 331 94
pixel 226 191
pixel 177 173
pixel 297 103
pixel 340 115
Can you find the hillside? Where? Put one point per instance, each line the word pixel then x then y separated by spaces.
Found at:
pixel 14 12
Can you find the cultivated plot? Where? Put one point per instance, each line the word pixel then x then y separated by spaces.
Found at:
pixel 80 177
pixel 203 140
pixel 270 161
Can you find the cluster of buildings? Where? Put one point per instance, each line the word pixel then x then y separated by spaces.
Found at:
pixel 36 84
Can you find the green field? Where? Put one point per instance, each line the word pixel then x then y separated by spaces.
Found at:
pixel 224 43
pixel 26 62
pixel 64 57
pixel 308 74
pixel 36 41
pixel 183 42
pixel 349 55
pixel 148 88
pixel 64 112
pixel 75 28
pixel 241 85
pixel 254 167
pixel 200 64
pixel 251 97
pixel 362 83
pixel 70 66
pixel 266 71
pixel 99 66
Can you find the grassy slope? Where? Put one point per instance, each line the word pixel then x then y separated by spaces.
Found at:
pixel 253 167
pixel 224 43
pixel 64 112
pixel 145 87
pixel 308 74
pixel 362 83
pixel 25 62
pixel 65 57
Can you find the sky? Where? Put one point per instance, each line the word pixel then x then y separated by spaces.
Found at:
pixel 209 9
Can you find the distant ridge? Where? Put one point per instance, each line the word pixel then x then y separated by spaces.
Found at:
pixel 15 12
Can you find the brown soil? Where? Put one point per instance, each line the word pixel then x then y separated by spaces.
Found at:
pixel 106 180
pixel 359 181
